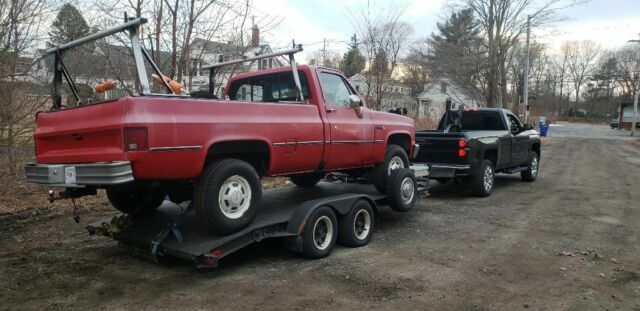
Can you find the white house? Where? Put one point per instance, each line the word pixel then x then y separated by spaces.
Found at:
pixel 394 94
pixel 432 100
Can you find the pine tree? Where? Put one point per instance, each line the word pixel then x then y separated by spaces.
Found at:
pixel 353 62
pixel 68 26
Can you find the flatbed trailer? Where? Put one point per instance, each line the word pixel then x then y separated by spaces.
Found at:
pixel 299 215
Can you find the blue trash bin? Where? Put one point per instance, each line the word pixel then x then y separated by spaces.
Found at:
pixel 543 130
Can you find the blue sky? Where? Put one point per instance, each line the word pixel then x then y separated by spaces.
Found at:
pixel 608 22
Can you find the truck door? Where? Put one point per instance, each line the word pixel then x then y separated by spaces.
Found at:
pixel 351 136
pixel 519 142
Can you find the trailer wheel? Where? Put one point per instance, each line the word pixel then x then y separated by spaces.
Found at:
pixel 402 190
pixel 306 180
pixel 394 158
pixel 135 200
pixel 356 228
pixel 320 233
pixel 227 196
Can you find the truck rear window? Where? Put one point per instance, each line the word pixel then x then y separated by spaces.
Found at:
pixel 482 120
pixel 274 87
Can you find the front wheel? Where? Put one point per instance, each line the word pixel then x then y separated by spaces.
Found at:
pixel 531 173
pixel 395 158
pixel 227 196
pixel 482 182
pixel 135 199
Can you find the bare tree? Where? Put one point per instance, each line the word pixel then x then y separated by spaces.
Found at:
pixel 581 62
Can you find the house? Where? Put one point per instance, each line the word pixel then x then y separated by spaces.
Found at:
pixel 394 94
pixel 205 52
pixel 432 100
pixel 626 114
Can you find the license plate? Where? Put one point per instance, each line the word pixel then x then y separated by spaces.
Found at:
pixel 70 175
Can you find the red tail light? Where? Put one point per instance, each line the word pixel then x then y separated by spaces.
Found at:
pixel 135 139
pixel 463 146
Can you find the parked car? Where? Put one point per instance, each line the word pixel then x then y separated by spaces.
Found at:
pixel 296 121
pixel 615 124
pixel 475 144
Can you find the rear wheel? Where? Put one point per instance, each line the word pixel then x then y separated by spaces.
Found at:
pixel 320 233
pixel 531 173
pixel 356 228
pixel 227 196
pixel 482 182
pixel 306 180
pixel 395 158
pixel 136 199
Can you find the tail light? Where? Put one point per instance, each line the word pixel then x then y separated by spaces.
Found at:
pixel 135 139
pixel 463 147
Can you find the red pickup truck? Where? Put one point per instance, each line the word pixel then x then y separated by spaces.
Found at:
pixel 213 152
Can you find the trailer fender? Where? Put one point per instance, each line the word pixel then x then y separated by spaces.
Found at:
pixel 340 204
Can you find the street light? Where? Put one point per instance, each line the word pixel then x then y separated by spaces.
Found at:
pixel 635 99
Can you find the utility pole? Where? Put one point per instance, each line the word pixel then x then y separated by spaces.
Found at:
pixel 525 91
pixel 636 89
pixel 324 52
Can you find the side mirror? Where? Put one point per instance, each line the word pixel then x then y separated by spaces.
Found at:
pixel 527 127
pixel 355 101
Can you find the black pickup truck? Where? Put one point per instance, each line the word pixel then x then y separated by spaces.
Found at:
pixel 472 145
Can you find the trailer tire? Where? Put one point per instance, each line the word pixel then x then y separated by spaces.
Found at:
pixel 356 228
pixel 320 233
pixel 482 182
pixel 136 200
pixel 227 196
pixel 402 190
pixel 394 158
pixel 306 180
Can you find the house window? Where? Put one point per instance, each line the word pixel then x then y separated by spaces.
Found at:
pixel 443 87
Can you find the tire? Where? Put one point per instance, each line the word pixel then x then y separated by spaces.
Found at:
pixel 480 186
pixel 356 228
pixel 136 200
pixel 320 233
pixel 531 173
pixel 395 157
pixel 402 190
pixel 306 180
pixel 227 196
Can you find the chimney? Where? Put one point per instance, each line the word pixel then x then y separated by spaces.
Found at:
pixel 255 35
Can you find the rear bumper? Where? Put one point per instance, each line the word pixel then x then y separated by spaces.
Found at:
pixel 444 170
pixel 87 174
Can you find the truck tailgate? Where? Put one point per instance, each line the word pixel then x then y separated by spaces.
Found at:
pixel 439 147
pixel 91 133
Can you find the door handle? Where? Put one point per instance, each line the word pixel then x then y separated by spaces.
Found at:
pixel 330 109
pixel 379 127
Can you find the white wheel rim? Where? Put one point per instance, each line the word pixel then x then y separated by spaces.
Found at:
pixel 394 164
pixel 488 179
pixel 534 165
pixel 407 190
pixel 234 197
pixel 322 232
pixel 362 224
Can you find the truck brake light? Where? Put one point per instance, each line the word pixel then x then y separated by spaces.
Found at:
pixel 463 146
pixel 135 139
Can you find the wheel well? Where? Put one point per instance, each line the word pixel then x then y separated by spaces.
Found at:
pixel 491 155
pixel 402 140
pixel 536 148
pixel 254 152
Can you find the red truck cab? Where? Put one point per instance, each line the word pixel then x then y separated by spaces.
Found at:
pixel 213 151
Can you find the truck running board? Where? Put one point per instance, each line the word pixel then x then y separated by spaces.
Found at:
pixel 516 169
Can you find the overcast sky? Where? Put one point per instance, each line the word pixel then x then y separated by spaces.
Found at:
pixel 608 22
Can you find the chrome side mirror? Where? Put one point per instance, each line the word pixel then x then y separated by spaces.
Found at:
pixel 355 101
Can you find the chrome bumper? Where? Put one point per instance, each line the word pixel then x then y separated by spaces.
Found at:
pixel 86 174
pixel 444 170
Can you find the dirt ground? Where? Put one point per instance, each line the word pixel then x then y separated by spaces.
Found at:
pixel 569 241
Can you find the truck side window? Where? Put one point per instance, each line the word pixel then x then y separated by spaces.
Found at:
pixel 275 87
pixel 334 89
pixel 514 124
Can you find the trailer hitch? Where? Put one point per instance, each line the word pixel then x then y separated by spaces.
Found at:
pixel 73 194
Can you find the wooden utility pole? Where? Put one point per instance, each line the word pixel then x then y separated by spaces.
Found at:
pixel 635 98
pixel 324 52
pixel 525 91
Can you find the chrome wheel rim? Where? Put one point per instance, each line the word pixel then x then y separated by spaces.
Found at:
pixel 394 164
pixel 407 190
pixel 534 165
pixel 234 197
pixel 488 179
pixel 322 232
pixel 362 224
